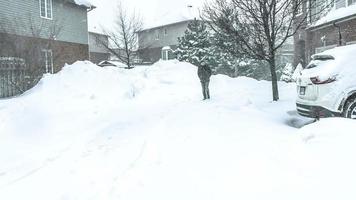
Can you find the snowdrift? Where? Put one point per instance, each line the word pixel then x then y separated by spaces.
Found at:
pixel 109 133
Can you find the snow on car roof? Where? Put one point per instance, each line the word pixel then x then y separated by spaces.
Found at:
pixel 113 62
pixel 342 64
pixel 348 50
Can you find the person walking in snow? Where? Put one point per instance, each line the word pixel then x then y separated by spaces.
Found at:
pixel 196 48
pixel 204 74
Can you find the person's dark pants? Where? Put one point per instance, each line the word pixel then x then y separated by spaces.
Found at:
pixel 205 89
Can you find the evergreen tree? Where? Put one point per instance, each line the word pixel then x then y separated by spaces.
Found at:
pixel 200 45
pixel 231 61
pixel 195 46
pixel 287 73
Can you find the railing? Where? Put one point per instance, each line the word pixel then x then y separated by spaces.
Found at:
pixel 13 80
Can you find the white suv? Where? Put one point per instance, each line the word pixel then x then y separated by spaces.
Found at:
pixel 327 86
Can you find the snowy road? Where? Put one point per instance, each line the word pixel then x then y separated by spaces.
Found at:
pixel 93 133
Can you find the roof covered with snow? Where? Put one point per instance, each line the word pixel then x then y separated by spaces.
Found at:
pixel 86 3
pixel 336 14
pixel 168 18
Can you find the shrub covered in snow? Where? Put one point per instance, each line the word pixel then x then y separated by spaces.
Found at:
pixel 297 72
pixel 287 73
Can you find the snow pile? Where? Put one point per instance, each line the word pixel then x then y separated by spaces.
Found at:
pixel 109 133
pixel 336 14
pixel 330 145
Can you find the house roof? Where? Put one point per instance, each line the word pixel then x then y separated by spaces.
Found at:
pixel 164 25
pixel 84 3
pixel 170 18
pixel 97 33
pixel 336 15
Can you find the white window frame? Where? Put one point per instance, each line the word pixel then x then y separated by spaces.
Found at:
pixel 46 9
pixel 48 63
pixel 165 53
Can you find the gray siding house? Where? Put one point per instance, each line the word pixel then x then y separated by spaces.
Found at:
pixel 97 47
pixel 159 42
pixel 45 33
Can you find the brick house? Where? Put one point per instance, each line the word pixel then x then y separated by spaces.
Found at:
pixel 45 33
pixel 325 30
pixel 97 47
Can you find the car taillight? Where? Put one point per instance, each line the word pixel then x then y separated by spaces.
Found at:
pixel 317 81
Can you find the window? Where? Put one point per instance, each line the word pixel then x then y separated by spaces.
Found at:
pixel 329 4
pixel 299 7
pixel 157 34
pixel 165 31
pixel 351 2
pixel 167 53
pixel 46 9
pixel 47 61
pixel 340 3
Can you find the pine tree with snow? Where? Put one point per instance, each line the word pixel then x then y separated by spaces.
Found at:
pixel 287 73
pixel 195 46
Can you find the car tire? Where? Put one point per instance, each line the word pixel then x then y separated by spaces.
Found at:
pixel 350 108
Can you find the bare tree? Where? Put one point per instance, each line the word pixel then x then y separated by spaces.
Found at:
pixel 123 41
pixel 259 28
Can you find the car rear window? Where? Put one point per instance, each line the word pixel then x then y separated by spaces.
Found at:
pixel 317 59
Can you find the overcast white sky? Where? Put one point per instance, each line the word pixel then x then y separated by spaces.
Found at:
pixel 150 10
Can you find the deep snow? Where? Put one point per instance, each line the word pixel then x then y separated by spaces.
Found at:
pixel 109 133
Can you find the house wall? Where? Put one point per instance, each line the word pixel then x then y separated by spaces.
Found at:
pixel 310 40
pixel 153 40
pixel 18 16
pixel 327 36
pixel 97 50
pixel 98 57
pixel 63 52
pixel 97 43
pixel 167 35
pixel 150 55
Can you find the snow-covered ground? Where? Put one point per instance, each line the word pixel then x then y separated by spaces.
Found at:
pixel 106 133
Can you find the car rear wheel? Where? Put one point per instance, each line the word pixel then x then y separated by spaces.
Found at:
pixel 350 109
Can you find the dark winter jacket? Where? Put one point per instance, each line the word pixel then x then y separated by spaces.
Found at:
pixel 204 73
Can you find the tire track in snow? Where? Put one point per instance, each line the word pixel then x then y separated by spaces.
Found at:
pixel 29 173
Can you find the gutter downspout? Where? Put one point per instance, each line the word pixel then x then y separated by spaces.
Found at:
pixel 88 10
pixel 340 36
